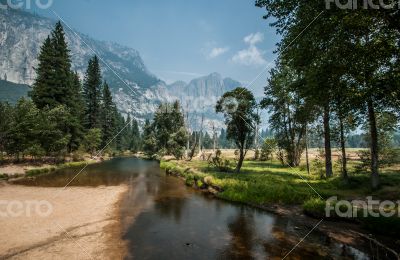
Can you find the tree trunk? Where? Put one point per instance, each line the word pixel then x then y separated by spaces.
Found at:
pixel 327 135
pixel 307 158
pixel 374 146
pixel 240 162
pixel 343 146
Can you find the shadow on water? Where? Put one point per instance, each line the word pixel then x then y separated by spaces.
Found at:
pixel 163 219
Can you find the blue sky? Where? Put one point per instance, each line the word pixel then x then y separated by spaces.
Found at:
pixel 181 39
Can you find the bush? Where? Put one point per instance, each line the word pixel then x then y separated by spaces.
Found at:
pixel 319 164
pixel 189 180
pixel 36 151
pixel 267 149
pixel 78 156
pixel 387 157
pixel 223 165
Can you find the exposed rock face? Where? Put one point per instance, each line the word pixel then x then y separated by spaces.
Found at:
pixel 136 90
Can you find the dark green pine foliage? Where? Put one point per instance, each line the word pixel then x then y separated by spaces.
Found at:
pixel 53 85
pixel 149 145
pixel 63 79
pixel 43 91
pixel 76 109
pixel 119 139
pixel 108 120
pixel 135 141
pixel 92 94
pixel 56 85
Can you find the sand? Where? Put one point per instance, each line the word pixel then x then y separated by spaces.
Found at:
pixel 84 223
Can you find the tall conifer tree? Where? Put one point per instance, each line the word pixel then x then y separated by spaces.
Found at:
pixel 108 120
pixel 92 94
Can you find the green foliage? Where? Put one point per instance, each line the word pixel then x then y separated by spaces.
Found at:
pixel 149 140
pixel 238 107
pixel 92 94
pixel 315 207
pixel 166 135
pixel 92 140
pixel 318 164
pixel 108 120
pixel 222 165
pixel 290 113
pixel 52 123
pixel 352 71
pixel 177 142
pixel 387 157
pixel 268 149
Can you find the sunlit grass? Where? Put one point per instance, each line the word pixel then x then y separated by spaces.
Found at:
pixel 270 182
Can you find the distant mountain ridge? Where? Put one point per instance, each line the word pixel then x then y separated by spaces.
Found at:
pixel 12 92
pixel 135 89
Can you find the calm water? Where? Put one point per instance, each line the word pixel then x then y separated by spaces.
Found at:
pixel 163 219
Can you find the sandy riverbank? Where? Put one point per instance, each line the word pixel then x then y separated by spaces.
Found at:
pixel 84 224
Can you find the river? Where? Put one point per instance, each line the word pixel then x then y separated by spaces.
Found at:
pixel 163 219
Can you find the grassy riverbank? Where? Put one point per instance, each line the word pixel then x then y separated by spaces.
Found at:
pixel 270 183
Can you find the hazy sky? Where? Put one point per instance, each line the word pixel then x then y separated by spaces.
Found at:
pixel 181 39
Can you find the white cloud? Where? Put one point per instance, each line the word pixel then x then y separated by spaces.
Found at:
pixel 249 57
pixel 252 56
pixel 215 52
pixel 254 38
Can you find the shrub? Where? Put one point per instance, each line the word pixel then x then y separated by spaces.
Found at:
pixel 223 165
pixel 267 149
pixel 190 180
pixel 387 157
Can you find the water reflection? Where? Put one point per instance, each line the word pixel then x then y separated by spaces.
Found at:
pixel 163 219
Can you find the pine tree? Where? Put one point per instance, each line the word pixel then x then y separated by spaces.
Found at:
pixel 108 120
pixel 149 139
pixel 62 66
pixel 53 84
pixel 76 109
pixel 43 90
pixel 135 137
pixel 92 94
